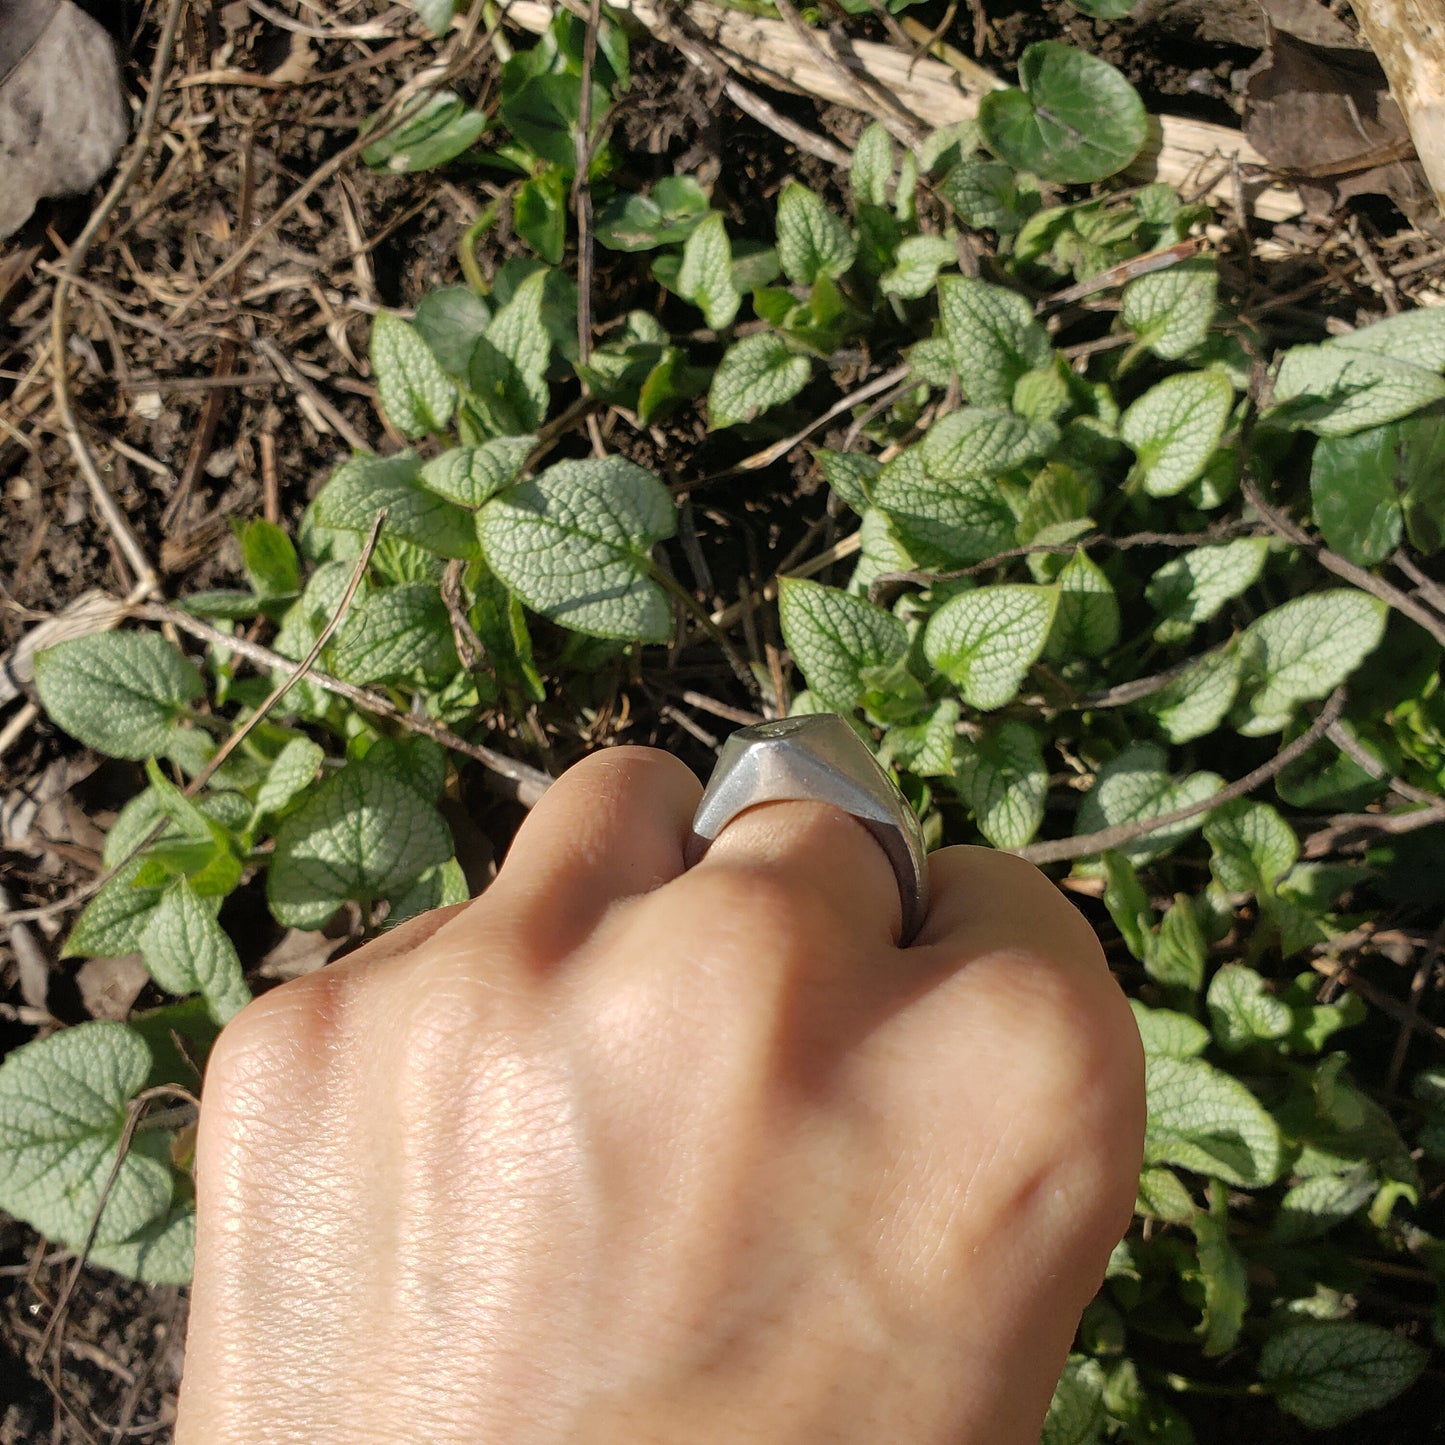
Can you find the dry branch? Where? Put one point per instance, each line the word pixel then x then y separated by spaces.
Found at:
pixel 1192 155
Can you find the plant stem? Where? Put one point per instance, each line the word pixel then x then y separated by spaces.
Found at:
pixel 699 614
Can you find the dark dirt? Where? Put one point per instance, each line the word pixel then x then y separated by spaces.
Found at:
pixel 212 432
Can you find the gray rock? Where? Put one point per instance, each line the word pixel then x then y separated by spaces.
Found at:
pixel 63 116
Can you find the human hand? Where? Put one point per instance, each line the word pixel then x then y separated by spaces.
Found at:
pixel 619 1152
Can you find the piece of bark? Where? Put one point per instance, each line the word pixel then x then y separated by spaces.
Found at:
pixel 63 116
pixel 1408 36
pixel 1190 154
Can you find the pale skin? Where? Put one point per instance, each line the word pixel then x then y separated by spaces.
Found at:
pixel 620 1152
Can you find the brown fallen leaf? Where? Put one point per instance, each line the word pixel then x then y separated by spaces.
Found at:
pixel 1323 114
pixel 63 116
pixel 109 986
pixel 299 952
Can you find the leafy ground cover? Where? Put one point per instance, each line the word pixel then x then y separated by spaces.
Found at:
pixel 1118 561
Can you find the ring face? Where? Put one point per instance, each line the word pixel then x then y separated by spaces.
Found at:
pixel 818 758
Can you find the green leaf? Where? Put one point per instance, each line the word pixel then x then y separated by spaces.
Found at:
pixel 471 476
pixel 361 487
pixel 1252 847
pixel 1243 1011
pixel 1225 1277
pixel 706 275
pixel 1192 587
pixel 1196 700
pixel 451 320
pixel 975 442
pixel 397 632
pixel 436 15
pixel 575 544
pixel 1369 487
pixel 1128 904
pixel 1086 623
pixel 1134 786
pixel 915 273
pixel 1104 9
pixel 436 129
pixel 163 1252
pixel 112 922
pixel 1335 390
pixel 362 834
pixel 942 523
pixel 1167 1034
pixel 755 374
pixel 924 749
pixel 1200 1118
pixel 1331 1372
pixel 539 214
pixel 1177 955
pixel 1316 1206
pixel 188 952
pixel 1076 119
pixel 1162 1196
pixel 642 223
pixel 987 195
pixel 834 636
pixel 1002 778
pixel 508 367
pixel 62 1111
pixel 416 395
pixel 812 241
pixel 1303 650
pixel 984 641
pixel 1175 427
pixel 1414 336
pixel 293 771
pixel 1170 311
pixel 993 335
pixel 872 168
pixel 269 558
pixel 118 692
pixel 850 474
pixel 1076 1412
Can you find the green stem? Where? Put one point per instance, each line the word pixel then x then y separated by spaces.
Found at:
pixel 467 249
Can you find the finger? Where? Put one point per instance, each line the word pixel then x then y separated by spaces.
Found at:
pixel 825 856
pixel 612 827
pixel 983 901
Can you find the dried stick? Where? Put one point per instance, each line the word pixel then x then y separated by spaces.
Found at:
pixel 582 188
pixel 1059 849
pixel 105 504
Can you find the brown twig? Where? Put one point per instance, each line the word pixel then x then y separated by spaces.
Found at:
pixel 114 518
pixel 1417 991
pixel 1121 835
pixel 1292 532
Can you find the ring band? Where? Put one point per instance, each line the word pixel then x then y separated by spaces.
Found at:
pixel 817 758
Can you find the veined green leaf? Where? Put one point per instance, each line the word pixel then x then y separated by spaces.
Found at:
pixel 1192 587
pixel 984 641
pixel 416 395
pixel 756 374
pixel 361 487
pixel 187 951
pixel 706 275
pixel 975 442
pixel 1002 778
pixel 1170 311
pixel 1331 1372
pixel 994 337
pixel 812 241
pixel 575 544
pixel 62 1111
pixel 1335 390
pixel 834 636
pixel 1175 427
pixel 118 692
pixel 1201 1119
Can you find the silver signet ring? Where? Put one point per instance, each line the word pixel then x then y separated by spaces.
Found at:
pixel 817 758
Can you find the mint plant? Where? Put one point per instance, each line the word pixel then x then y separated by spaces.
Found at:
pixel 1112 607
